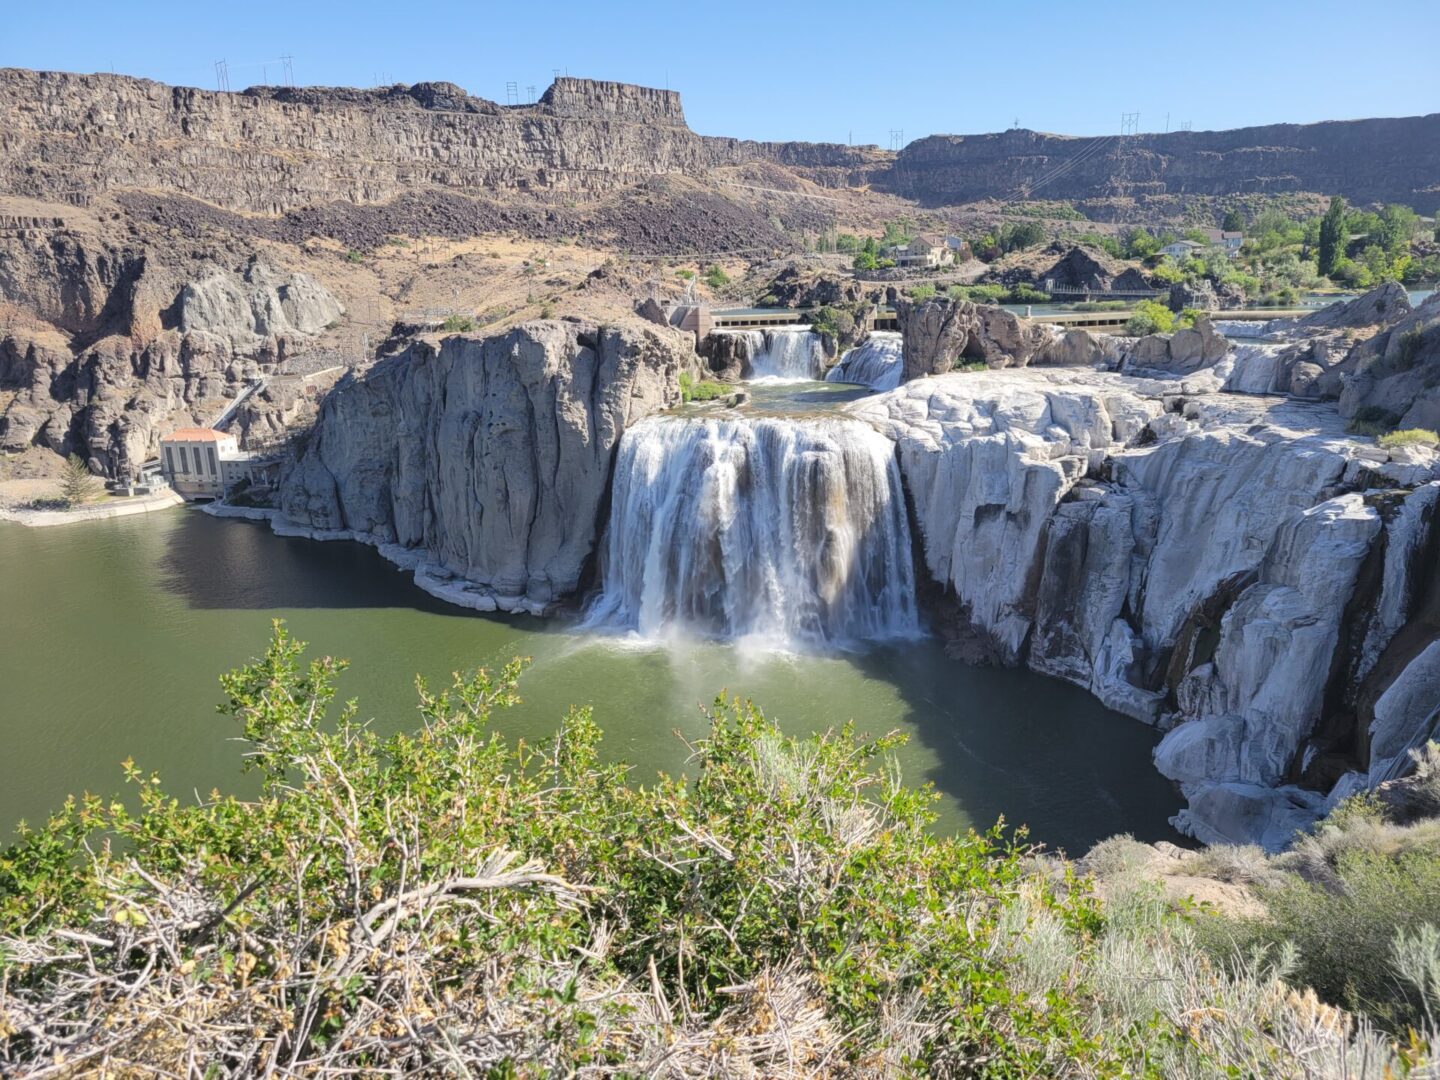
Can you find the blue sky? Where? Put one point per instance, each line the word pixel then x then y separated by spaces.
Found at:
pixel 834 71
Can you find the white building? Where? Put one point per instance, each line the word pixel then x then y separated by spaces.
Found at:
pixel 1181 249
pixel 923 251
pixel 202 463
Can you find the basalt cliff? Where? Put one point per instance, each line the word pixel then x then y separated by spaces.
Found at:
pixel 1382 160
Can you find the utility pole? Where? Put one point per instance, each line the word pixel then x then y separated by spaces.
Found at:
pixel 288 67
pixel 512 93
pixel 222 75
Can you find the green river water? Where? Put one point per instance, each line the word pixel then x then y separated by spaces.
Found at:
pixel 113 633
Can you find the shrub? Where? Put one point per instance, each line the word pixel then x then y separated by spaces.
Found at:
pixel 685 274
pixel 716 278
pixel 921 292
pixel 1410 437
pixel 353 256
pixel 1150 318
pixel 458 324
pixel 1342 931
pixel 833 322
pixel 705 390
pixel 977 294
pixel 1027 294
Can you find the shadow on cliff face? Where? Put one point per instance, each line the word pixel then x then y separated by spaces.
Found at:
pixel 231 563
pixel 1034 749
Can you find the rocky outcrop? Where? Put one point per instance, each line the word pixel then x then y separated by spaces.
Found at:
pixel 1083 268
pixel 256 304
pixel 1181 353
pixel 483 462
pixel 1383 160
pixel 940 334
pixel 69 137
pixel 133 348
pixel 1194 559
pixel 1381 306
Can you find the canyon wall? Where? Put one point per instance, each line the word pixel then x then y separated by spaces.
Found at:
pixel 274 149
pixel 269 150
pixel 483 463
pixel 1381 160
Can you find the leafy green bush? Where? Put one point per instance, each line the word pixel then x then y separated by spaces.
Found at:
pixel 1150 318
pixel 354 256
pixel 833 322
pixel 921 292
pixel 716 278
pixel 977 294
pixel 1027 294
pixel 1410 437
pixel 705 390
pixel 1342 930
pixel 458 324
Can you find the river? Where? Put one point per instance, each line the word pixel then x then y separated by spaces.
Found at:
pixel 114 634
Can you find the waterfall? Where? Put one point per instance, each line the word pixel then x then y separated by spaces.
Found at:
pixel 1239 328
pixel 878 363
pixel 790 352
pixel 792 531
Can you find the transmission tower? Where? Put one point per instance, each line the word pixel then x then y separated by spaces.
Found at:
pixel 1129 123
pixel 1184 125
pixel 897 138
pixel 287 63
pixel 530 94
pixel 512 93
pixel 222 75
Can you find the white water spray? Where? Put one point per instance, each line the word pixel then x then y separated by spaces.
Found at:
pixel 793 531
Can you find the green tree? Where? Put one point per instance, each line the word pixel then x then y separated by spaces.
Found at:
pixel 1332 236
pixel 1398 226
pixel 77 485
pixel 1234 221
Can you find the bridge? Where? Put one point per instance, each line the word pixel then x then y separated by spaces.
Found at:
pixel 886 319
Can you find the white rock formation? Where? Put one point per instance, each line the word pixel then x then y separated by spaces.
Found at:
pixel 256 304
pixel 1188 556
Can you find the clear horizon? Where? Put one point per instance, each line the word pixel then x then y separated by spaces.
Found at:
pixel 821 73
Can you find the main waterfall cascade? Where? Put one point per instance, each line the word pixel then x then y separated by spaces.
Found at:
pixel 787 530
pixel 878 363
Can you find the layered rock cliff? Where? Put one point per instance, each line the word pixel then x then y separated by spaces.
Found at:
pixel 484 462
pixel 69 137
pixel 1383 160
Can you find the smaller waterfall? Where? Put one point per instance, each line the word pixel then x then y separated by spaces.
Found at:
pixel 790 352
pixel 1240 328
pixel 878 363
pixel 792 531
